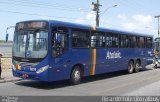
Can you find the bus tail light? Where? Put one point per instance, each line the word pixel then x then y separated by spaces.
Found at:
pixel 42 69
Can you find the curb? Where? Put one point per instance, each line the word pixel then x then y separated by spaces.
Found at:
pixel 9 80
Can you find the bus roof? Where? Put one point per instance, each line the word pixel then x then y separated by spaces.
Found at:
pixel 81 26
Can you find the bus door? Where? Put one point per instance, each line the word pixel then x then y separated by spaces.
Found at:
pixel 59 47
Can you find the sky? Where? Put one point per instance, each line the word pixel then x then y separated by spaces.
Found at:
pixel 130 15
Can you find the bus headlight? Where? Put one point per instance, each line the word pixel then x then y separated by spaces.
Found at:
pixel 42 69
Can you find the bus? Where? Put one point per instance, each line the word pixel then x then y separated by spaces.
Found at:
pixel 50 50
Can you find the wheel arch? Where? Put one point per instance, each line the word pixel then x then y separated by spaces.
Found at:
pixel 139 60
pixel 81 67
pixel 131 60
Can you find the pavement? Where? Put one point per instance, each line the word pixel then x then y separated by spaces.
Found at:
pixel 7 76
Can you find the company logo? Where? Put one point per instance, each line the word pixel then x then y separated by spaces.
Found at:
pixel 113 55
pixel 28 53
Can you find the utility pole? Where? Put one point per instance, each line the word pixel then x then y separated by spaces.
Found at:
pixel 7 35
pixel 158 24
pixel 95 7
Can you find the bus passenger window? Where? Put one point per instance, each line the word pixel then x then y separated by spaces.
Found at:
pixel 142 42
pixel 132 41
pixel 98 39
pixel 80 38
pixel 115 41
pixel 124 41
pixel 108 41
pixel 149 43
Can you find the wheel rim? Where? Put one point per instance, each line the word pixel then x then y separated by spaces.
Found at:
pixel 130 68
pixel 137 65
pixel 77 75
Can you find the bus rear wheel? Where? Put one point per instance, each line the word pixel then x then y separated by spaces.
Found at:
pixel 76 75
pixel 130 67
pixel 137 66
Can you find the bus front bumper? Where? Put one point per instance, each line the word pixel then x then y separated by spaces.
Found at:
pixel 30 75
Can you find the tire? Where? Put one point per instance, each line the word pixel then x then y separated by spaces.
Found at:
pixel 130 67
pixel 137 66
pixel 76 75
pixel 155 66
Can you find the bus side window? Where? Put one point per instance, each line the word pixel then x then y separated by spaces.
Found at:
pixel 107 40
pixel 124 41
pixel 138 42
pixel 142 42
pixel 115 41
pixel 148 42
pixel 98 39
pixel 80 38
pixel 132 40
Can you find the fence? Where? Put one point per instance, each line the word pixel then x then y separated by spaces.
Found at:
pixel 6 62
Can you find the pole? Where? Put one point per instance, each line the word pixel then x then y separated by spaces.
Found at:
pixel 95 7
pixel 7 35
pixel 97 14
pixel 158 24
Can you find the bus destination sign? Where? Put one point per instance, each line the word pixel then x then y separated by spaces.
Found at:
pixel 31 25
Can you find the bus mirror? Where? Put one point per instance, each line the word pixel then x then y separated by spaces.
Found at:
pixel 7 37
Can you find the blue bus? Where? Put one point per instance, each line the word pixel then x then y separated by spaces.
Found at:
pixel 49 50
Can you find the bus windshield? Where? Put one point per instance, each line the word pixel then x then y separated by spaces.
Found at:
pixel 30 43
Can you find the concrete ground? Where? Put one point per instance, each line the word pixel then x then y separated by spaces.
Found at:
pixel 7 76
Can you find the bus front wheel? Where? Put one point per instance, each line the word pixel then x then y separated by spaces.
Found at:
pixel 130 67
pixel 76 75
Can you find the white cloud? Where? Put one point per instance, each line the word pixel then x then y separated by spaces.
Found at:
pixel 80 20
pixel 128 25
pixel 44 17
pixel 91 18
pixel 137 23
pixel 143 19
pixel 122 16
pixel 90 15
